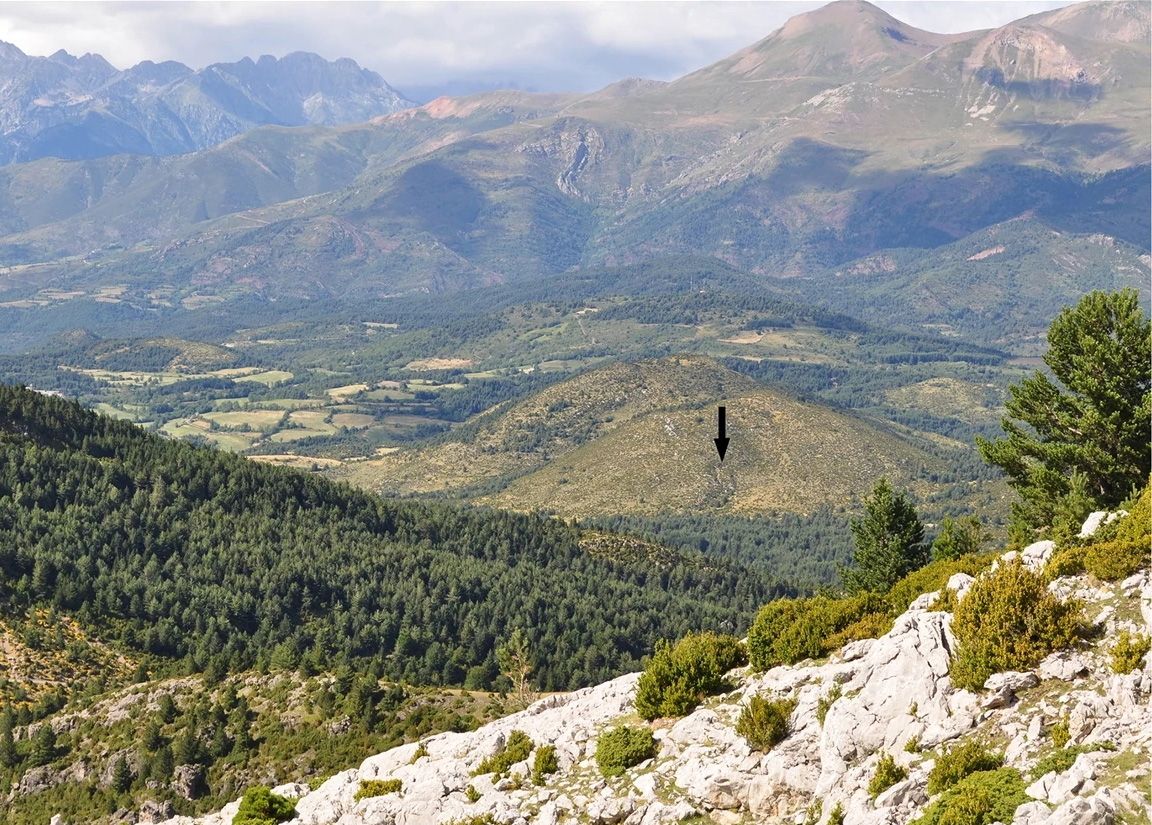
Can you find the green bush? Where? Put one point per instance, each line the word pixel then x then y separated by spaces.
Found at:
pixel 787 631
pixel 888 773
pixel 1009 621
pixel 836 816
pixel 868 626
pixel 516 749
pixel 978 799
pixel 544 763
pixel 945 602
pixel 378 787
pixel 1062 759
pixel 1115 560
pixel 420 752
pixel 1129 651
pixel 1137 525
pixel 262 807
pixel 827 700
pixel 471 794
pixel 765 722
pixel 933 577
pixel 679 676
pixel 912 745
pixel 966 758
pixel 1118 549
pixel 1059 733
pixel 622 747
pixel 478 819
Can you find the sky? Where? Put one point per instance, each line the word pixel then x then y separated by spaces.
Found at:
pixel 424 48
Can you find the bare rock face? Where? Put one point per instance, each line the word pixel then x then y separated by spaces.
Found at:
pixel 155 811
pixel 188 781
pixel 895 697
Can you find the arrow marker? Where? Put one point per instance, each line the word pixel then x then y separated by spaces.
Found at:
pixel 722 440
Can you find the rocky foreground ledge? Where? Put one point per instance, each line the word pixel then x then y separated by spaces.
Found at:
pixel 893 690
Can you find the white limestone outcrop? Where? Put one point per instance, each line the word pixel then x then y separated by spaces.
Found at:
pixel 895 697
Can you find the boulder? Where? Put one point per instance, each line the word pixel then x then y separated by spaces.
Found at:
pixel 906 668
pixel 153 812
pixel 1002 687
pixel 1031 813
pixel 36 780
pixel 1065 665
pixel 609 811
pixel 292 790
pixel 960 582
pixel 1097 520
pixel 1079 811
pixel 188 781
pixel 1036 555
pixel 906 792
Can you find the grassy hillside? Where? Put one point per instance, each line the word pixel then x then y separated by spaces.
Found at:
pixel 636 438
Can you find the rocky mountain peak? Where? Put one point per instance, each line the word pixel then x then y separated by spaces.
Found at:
pixel 1118 21
pixel 840 42
pixel 62 105
pixel 10 53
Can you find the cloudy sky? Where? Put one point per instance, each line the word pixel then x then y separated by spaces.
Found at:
pixel 425 47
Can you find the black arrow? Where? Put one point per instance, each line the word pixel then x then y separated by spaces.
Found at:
pixel 722 441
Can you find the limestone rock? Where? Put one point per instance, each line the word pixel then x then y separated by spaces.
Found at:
pixel 960 582
pixel 1079 811
pixel 1063 664
pixel 1097 520
pixel 1036 555
pixel 891 690
pixel 152 812
pixel 1031 813
pixel 188 781
pixel 1002 687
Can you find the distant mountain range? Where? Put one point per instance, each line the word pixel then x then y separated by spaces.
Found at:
pixel 83 107
pixel 846 142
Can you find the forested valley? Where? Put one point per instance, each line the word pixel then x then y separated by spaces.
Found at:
pixel 201 559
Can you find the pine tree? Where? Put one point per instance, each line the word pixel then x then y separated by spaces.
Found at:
pixel 959 538
pixel 516 664
pixel 1091 420
pixel 889 542
pixel 43 745
pixel 163 765
pixel 121 776
pixel 186 750
pixel 8 755
pixel 153 738
pixel 166 708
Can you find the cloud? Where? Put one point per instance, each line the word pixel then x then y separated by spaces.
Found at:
pixel 543 45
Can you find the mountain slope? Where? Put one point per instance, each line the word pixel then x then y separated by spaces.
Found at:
pixel 637 439
pixel 827 728
pixel 75 108
pixel 842 135
pixel 195 555
pixel 999 286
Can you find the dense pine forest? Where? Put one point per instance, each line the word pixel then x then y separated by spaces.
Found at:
pixel 209 561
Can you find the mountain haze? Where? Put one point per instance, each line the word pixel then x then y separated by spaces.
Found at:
pixel 843 134
pixel 83 107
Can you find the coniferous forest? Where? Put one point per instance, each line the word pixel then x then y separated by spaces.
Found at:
pixel 213 561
